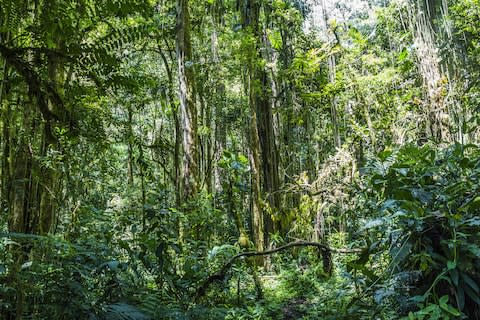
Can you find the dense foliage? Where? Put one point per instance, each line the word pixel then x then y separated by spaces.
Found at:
pixel 244 159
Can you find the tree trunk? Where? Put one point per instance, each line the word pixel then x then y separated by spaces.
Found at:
pixel 262 137
pixel 130 146
pixel 188 114
pixel 177 170
pixel 436 111
pixel 332 73
pixel 5 115
pixel 257 207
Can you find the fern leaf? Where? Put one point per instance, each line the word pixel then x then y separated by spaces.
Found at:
pixel 123 311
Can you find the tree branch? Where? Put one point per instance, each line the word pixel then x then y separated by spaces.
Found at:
pixel 220 275
pixel 33 81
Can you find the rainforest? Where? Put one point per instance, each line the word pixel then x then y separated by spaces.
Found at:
pixel 239 159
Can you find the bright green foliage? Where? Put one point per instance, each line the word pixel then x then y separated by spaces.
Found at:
pixel 426 213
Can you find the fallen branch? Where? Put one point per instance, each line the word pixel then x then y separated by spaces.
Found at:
pixel 220 274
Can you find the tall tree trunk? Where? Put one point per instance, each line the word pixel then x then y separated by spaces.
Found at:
pixel 50 186
pixel 262 116
pixel 5 139
pixel 332 74
pixel 130 146
pixel 257 206
pixel 268 150
pixel 141 166
pixel 288 145
pixel 188 113
pixel 177 170
pixel 436 114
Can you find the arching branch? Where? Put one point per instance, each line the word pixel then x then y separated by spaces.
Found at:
pixel 220 275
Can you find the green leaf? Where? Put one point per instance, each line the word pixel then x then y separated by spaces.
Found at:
pixel 176 248
pixel 473 222
pixel 470 206
pixel 19 235
pixel 460 298
pixel 403 55
pixel 451 265
pixel 402 171
pixel 373 223
pixel 472 295
pixel 243 159
pixel 418 299
pixel 454 276
pixel 470 282
pixel 123 311
pixel 443 304
pixel 159 252
pixel 474 249
pixel 399 254
pixel 112 265
pixel 422 195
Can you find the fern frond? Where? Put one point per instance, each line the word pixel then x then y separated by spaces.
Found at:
pixel 121 8
pixel 104 56
pixel 11 14
pixel 123 311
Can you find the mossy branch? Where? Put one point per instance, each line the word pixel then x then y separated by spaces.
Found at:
pixel 43 91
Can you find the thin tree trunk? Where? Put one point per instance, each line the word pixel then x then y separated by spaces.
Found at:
pixel 4 142
pixel 177 169
pixel 141 166
pixel 130 146
pixel 332 73
pixel 257 207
